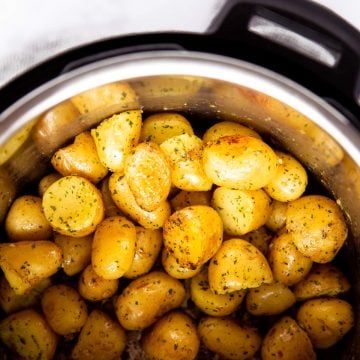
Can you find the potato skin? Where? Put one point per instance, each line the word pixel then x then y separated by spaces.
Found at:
pixel 26 221
pixel 100 338
pixel 193 234
pixel 174 336
pixel 189 198
pixel 277 216
pixel 326 320
pixel 28 334
pixel 318 227
pixel 147 298
pixel 229 339
pixel 64 309
pixel 288 341
pixel 46 181
pixel 260 238
pixel 238 265
pixel 113 247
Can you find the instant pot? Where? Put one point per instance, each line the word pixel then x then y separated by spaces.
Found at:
pixel 289 69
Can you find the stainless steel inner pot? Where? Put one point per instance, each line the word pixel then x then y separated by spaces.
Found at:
pixel 208 88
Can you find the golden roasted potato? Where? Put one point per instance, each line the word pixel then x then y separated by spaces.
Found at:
pixel 317 226
pixel 174 337
pixel 113 247
pixel 277 217
pixel 260 238
pixel 236 266
pixel 116 137
pixel 46 181
pixel 189 198
pixel 110 207
pixel 148 173
pixel 7 192
pixel 92 287
pixel 288 341
pixel 241 211
pixel 290 180
pixel 26 263
pixel 28 335
pixel 230 340
pixel 64 309
pixel 162 126
pixel 26 220
pixel 269 299
pixel 76 252
pixel 323 280
pixel 73 206
pixel 125 201
pixel 185 154
pixel 147 298
pixel 147 249
pixel 208 301
pixel 100 338
pixel 239 162
pixel 326 320
pixel 80 158
pixel 193 234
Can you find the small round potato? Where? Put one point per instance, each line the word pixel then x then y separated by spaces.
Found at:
pixel 73 206
pixel 287 341
pixel 110 207
pixel 209 302
pixel 290 180
pixel 46 181
pixel 277 217
pixel 318 227
pixel 238 265
pixel 241 211
pixel 174 337
pixel 230 340
pixel 190 198
pixel 269 299
pixel 288 264
pixel 260 238
pixel 92 287
pixel 239 162
pixel 64 309
pixel 193 235
pixel 326 320
pixel 26 221
pixel 147 298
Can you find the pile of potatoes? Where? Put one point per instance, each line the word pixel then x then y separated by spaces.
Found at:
pixel 143 226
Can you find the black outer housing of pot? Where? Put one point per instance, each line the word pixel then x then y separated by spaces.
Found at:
pixel 229 35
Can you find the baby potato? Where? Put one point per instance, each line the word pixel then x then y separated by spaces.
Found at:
pixel 288 341
pixel 148 174
pixel 236 266
pixel 80 158
pixel 116 137
pixel 113 247
pixel 26 263
pixel 193 235
pixel 174 269
pixel 147 248
pixel 159 127
pixel 73 206
pixel 46 181
pixel 185 155
pixel 174 337
pixel 241 211
pixel 100 338
pixel 228 128
pixel 28 334
pixel 317 226
pixel 147 298
pixel 288 264
pixel 326 320
pixel 76 252
pixel 230 340
pixel 125 201
pixel 7 193
pixel 239 162
pixel 209 302
pixel 277 217
pixel 260 238
pixel 26 220
pixel 64 309
pixel 269 299
pixel 323 280
pixel 290 180
pixel 110 207
pixel 189 198
pixel 92 287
